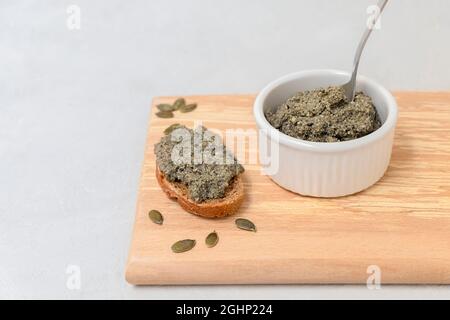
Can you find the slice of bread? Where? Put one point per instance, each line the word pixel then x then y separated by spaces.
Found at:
pixel 209 209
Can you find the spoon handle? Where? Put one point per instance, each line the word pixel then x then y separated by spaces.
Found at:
pixel 350 87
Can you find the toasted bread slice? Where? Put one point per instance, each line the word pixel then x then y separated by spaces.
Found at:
pixel 209 209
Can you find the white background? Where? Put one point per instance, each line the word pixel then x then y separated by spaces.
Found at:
pixel 74 107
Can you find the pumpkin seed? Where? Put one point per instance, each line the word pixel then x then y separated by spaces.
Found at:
pixel 212 239
pixel 156 216
pixel 172 127
pixel 179 103
pixel 165 107
pixel 245 224
pixel 165 114
pixel 183 245
pixel 188 108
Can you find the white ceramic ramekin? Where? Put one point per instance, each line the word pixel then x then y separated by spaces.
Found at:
pixel 327 169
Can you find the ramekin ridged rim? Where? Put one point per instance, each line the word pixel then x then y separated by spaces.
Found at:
pixel 386 127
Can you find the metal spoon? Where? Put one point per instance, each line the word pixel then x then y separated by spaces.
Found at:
pixel 349 87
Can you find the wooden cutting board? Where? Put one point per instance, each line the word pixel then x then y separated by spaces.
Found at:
pixel 399 228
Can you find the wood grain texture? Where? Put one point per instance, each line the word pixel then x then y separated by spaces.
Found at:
pixel 401 224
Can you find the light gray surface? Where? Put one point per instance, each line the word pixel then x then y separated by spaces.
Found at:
pixel 75 104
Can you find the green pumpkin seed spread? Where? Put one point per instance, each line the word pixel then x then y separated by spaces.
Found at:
pixel 324 115
pixel 199 160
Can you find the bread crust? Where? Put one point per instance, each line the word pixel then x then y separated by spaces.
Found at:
pixel 216 208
